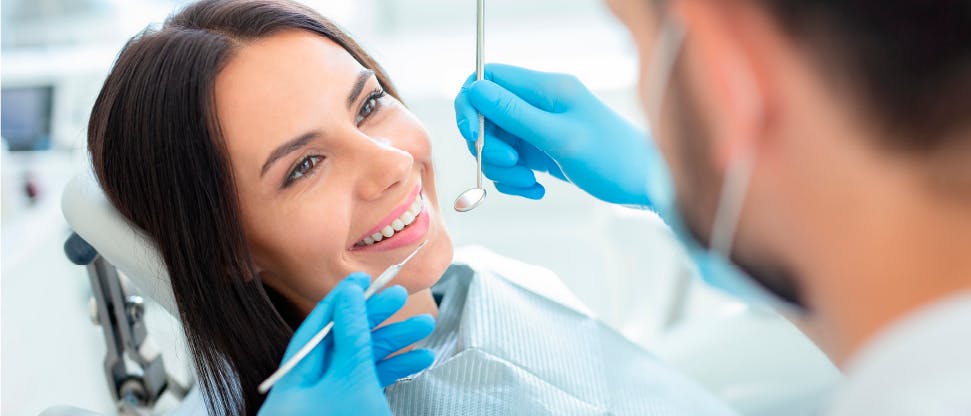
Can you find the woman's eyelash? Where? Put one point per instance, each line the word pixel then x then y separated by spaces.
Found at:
pixel 371 104
pixel 306 166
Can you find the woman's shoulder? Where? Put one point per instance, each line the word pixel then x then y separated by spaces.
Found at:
pixel 486 263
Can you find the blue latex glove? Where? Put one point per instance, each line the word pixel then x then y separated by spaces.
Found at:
pixel 345 374
pixel 546 122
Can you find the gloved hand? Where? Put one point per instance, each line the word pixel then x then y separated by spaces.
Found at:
pixel 547 122
pixel 346 372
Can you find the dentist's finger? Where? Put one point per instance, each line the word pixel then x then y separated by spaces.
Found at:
pixel 495 152
pixel 401 366
pixel 352 333
pixel 536 191
pixel 393 337
pixel 543 90
pixel 385 303
pixel 466 116
pixel 514 115
pixel 517 176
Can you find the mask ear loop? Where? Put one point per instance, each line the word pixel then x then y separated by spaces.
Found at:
pixel 730 202
pixel 663 58
pixel 734 187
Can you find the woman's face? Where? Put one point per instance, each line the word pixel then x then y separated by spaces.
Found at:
pixel 324 163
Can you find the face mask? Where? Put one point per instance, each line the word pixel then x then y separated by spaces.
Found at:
pixel 713 264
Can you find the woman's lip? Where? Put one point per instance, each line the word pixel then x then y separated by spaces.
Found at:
pixel 411 235
pixel 393 215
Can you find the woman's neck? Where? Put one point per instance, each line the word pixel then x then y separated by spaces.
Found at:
pixel 418 303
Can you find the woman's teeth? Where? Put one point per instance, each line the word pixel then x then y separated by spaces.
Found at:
pixel 398 224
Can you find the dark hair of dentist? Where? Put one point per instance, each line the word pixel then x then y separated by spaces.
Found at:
pixel 160 156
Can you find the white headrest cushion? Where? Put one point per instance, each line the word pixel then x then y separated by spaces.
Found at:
pixel 122 244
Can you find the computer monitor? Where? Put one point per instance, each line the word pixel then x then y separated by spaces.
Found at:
pixel 25 117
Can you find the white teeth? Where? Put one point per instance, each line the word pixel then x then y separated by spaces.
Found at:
pixel 398 224
pixel 408 218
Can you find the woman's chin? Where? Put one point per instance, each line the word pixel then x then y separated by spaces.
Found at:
pixel 422 276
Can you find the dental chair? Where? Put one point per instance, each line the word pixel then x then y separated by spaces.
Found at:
pixel 753 360
pixel 122 267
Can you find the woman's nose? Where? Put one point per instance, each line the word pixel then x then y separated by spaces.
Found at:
pixel 384 168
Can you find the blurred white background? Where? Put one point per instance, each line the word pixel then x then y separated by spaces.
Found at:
pixel 56 53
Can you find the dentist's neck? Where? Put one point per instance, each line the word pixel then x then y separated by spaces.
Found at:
pixel 896 247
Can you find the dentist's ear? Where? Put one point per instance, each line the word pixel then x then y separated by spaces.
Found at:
pixel 722 65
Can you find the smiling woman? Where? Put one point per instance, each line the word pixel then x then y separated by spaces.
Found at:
pixel 268 156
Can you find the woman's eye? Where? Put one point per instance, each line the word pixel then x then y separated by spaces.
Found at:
pixel 307 165
pixel 372 103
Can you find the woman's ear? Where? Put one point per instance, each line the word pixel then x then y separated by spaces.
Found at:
pixel 721 61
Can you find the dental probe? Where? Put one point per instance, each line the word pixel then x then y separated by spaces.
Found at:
pixel 471 198
pixel 377 284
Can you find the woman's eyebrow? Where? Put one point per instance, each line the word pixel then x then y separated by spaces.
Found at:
pixel 362 79
pixel 286 148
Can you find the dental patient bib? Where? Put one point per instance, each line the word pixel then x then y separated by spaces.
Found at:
pixel 514 341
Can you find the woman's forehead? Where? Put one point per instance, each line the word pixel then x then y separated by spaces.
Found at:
pixel 288 61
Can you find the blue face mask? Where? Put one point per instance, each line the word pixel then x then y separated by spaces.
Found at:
pixel 713 264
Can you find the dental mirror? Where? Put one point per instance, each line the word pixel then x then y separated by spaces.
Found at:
pixel 472 198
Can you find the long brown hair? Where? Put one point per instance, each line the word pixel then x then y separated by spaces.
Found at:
pixel 157 151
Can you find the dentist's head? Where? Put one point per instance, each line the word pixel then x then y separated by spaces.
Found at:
pixel 267 156
pixel 823 144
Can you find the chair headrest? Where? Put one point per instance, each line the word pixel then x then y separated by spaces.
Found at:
pixel 121 243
